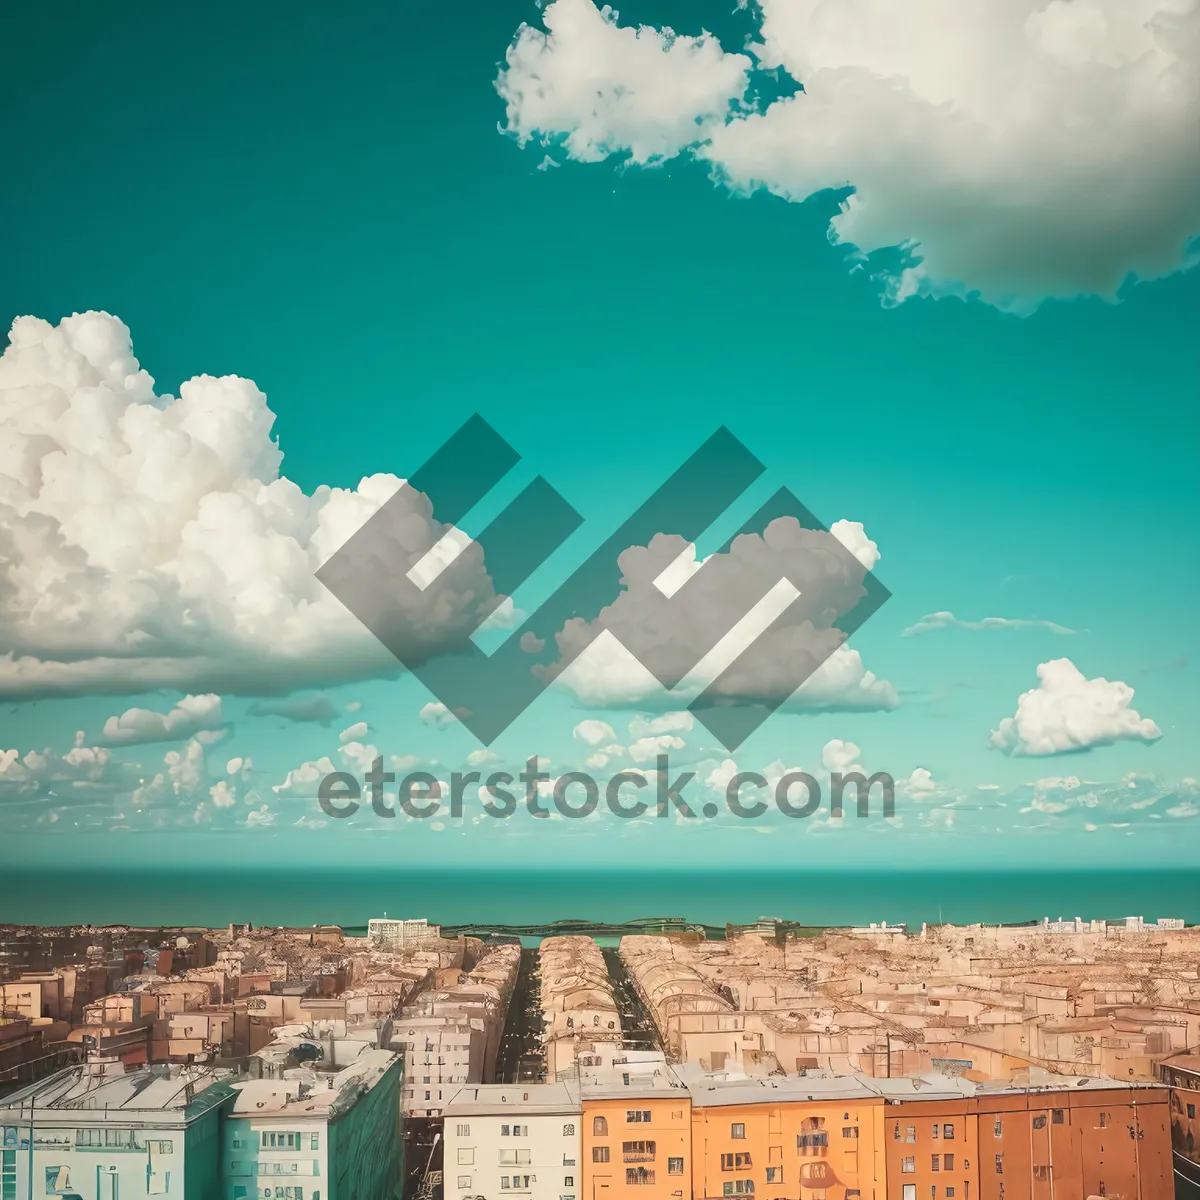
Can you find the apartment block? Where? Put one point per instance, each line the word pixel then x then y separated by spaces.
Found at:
pixel 100 1131
pixel 636 1131
pixel 519 1140
pixel 310 1135
pixel 579 1012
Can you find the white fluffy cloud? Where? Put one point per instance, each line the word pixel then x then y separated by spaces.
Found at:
pixel 355 732
pixel 139 725
pixel 150 542
pixel 830 582
pixel 594 732
pixel 608 89
pixel 1029 149
pixel 1068 712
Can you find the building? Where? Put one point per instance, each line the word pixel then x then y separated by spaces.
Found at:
pixel 580 1018
pixel 1181 1073
pixel 312 1135
pixel 451 1036
pixel 636 1131
pixel 401 935
pixel 775 1136
pixel 521 1140
pixel 100 1131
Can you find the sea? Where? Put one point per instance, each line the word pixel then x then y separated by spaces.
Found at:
pixel 154 895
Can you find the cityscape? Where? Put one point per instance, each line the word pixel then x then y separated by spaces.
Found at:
pixel 1057 1059
pixel 598 601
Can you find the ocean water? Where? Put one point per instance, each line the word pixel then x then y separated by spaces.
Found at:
pixel 306 896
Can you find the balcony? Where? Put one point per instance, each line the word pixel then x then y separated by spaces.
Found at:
pixel 638 1156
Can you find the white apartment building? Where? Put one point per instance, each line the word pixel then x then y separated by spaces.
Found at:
pixel 517 1140
pixel 101 1132
pixel 398 934
pixel 441 1053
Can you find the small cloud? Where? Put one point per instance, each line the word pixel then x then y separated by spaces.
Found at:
pixel 300 709
pixel 947 620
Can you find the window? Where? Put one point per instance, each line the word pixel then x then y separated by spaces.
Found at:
pixel 8 1174
pixel 998 1128
pixel 732 1162
pixel 999 1164
pixel 737 1130
pixel 811 1140
pixel 949 1193
pixel 910 1191
pixel 1041 1174
pixel 774 1174
pixel 948 1132
pixel 674 1166
pixel 948 1161
pixel 908 1166
pixel 635 1176
pixel 910 1133
pixel 1191 1109
pixel 1103 1120
pixel 279 1141
pixel 638 1116
pixel 1039 1122
pixel 636 1151
pixel 850 1131
pixel 936 1163
pixel 599 1154
pixel 504 1181
pixel 935 1130
pixel 600 1126
pixel 314 1141
pixel 568 1131
pixel 466 1156
pixel 426 1095
pixel 520 1131
pixel 460 1130
pixel 568 1162
pixel 568 1181
pixel 464 1181
pixel 91 1137
pixel 738 1187
pixel 514 1158
pixel 1056 1116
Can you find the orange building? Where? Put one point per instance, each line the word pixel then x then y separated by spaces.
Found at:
pixel 930 1137
pixel 636 1133
pixel 780 1137
pixel 1181 1072
pixel 1095 1138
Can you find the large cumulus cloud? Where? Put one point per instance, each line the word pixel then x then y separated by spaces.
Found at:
pixel 1067 713
pixel 1026 149
pixel 792 629
pixel 150 541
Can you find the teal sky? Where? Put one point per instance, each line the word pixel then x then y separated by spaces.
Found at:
pixel 328 205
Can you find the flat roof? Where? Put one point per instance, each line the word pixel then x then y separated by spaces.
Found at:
pixel 496 1098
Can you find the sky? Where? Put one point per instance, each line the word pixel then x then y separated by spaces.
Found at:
pixel 934 270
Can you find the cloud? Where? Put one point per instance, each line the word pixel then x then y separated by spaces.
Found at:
pixel 305 780
pixel 137 726
pixel 1067 712
pixel 788 637
pixel 841 756
pixel 1023 150
pixel 947 620
pixel 150 541
pixel 607 89
pixel 594 732
pixel 355 732
pixel 437 714
pixel 682 722
pixel 317 709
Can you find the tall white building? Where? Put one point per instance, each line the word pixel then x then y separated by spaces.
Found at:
pixel 518 1140
pixel 101 1132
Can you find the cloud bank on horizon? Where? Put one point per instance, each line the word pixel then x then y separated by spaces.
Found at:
pixel 1020 151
